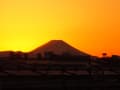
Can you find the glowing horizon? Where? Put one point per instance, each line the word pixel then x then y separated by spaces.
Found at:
pixel 92 26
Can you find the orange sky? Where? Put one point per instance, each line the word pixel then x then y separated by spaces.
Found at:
pixel 92 26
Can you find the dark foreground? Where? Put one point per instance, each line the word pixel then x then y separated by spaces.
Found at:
pixel 84 82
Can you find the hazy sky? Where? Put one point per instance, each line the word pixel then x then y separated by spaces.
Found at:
pixel 92 26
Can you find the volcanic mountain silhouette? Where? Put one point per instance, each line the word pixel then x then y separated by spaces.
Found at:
pixel 57 47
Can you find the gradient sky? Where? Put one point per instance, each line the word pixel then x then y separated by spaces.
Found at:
pixel 92 26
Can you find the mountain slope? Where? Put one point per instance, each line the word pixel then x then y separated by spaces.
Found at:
pixel 57 47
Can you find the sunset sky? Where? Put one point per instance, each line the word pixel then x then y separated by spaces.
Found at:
pixel 92 26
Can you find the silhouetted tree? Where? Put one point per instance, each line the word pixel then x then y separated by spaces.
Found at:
pixel 104 57
pixel 104 54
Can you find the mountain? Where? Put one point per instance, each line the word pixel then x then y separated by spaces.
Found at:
pixel 5 53
pixel 57 47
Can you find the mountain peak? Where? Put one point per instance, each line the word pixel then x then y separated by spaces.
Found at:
pixel 56 41
pixel 57 47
